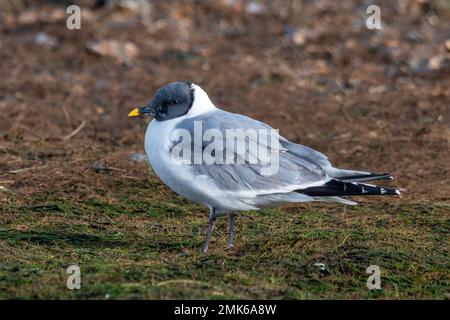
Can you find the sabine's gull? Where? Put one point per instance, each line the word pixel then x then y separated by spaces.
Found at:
pixel 227 187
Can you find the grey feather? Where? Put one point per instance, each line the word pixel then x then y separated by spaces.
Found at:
pixel 298 165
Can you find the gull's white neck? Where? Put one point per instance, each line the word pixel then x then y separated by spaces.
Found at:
pixel 201 104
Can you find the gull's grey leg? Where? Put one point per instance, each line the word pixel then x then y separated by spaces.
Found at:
pixel 231 218
pixel 211 224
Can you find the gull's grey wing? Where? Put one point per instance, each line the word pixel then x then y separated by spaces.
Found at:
pixel 298 166
pixel 306 153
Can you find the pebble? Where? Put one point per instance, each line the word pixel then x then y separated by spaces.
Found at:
pixel 123 51
pixel 43 39
pixel 137 156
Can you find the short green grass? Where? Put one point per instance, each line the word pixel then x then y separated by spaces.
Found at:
pixel 144 245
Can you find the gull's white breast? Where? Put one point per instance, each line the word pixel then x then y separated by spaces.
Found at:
pixel 178 176
pixel 157 146
pixel 175 174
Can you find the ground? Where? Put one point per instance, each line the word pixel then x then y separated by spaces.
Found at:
pixel 74 189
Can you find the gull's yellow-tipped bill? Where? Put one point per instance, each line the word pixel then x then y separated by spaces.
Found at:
pixel 134 113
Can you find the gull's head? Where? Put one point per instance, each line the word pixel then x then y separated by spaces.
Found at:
pixel 174 100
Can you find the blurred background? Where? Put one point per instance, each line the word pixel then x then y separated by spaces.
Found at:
pixel 376 100
pixel 370 99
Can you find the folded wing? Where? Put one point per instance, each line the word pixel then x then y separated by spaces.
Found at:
pixel 295 168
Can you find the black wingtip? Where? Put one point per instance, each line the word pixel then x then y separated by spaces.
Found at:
pixel 340 188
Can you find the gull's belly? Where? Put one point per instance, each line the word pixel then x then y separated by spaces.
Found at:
pixel 177 176
pixel 173 173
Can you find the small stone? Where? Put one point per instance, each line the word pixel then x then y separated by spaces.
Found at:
pixel 45 40
pixel 4 189
pixel 97 167
pixel 438 62
pixel 28 17
pixel 320 266
pixel 433 20
pixel 377 89
pixel 373 135
pixel 254 8
pixel 123 51
pixel 447 44
pixel 137 156
pixel 299 37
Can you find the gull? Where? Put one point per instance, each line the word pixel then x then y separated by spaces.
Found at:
pixel 186 124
